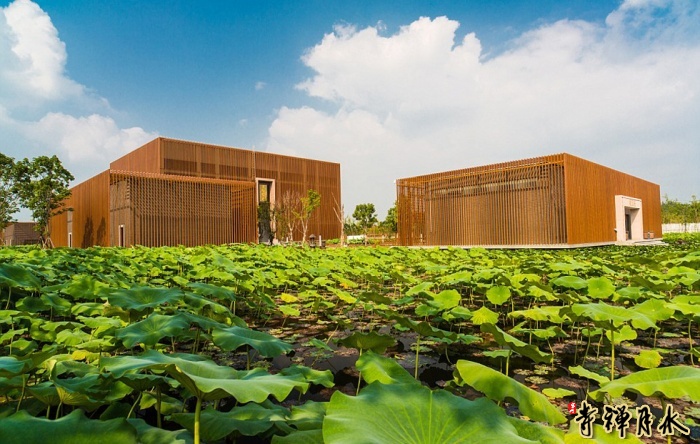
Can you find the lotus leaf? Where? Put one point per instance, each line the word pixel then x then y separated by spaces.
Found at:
pixel 391 414
pixel 368 341
pixel 648 359
pixel 585 373
pixel 152 329
pixel 515 344
pixel 499 387
pixel 233 337
pixel 671 382
pixel 375 367
pixel 573 282
pixel 498 295
pixel 74 428
pixel 484 316
pixel 247 420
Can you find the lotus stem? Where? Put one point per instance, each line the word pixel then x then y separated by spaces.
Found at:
pixel 24 387
pixel 9 298
pixel 197 416
pixel 690 341
pixel 159 421
pixel 507 363
pixel 612 353
pixel 359 379
pixel 133 406
pixel 415 373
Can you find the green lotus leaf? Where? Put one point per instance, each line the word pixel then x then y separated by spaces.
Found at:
pixel 625 333
pixel 648 359
pixel 671 382
pixel 82 287
pixel 32 304
pixel 545 313
pixel 15 276
pixel 153 435
pixel 654 309
pixel 368 341
pixel 152 329
pixel 515 344
pixel 572 282
pixel 421 289
pixel 498 295
pixel 423 328
pixel 585 373
pixel 308 416
pixel 140 298
pixel 445 300
pixel 214 291
pixel 375 367
pixel 233 337
pixel 314 436
pixel 391 414
pixel 602 312
pixel 556 393
pixel 318 377
pixel 11 366
pixel 484 316
pixel 75 428
pixel 247 420
pixel 536 432
pixel 498 387
pixel 600 287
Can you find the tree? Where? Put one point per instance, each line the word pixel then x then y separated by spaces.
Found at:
pixel 309 203
pixel 42 187
pixel 340 215
pixel 366 217
pixel 8 195
pixel 390 223
pixel 284 215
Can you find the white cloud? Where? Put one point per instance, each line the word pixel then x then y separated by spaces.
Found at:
pixel 625 93
pixel 260 86
pixel 34 84
pixel 86 139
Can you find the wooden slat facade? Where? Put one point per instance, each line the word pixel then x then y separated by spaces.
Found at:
pixel 19 233
pixel 551 200
pixel 173 192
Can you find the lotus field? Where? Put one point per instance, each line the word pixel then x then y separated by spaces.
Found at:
pixel 247 343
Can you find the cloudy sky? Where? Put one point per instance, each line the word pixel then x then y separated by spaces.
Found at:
pixel 387 89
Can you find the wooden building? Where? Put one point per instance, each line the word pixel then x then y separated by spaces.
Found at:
pixel 552 201
pixel 173 192
pixel 20 233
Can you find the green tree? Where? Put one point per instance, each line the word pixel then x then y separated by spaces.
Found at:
pixel 390 223
pixel 309 203
pixel 675 212
pixel 8 195
pixel 366 217
pixel 42 187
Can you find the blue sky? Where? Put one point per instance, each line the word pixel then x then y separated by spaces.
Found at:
pixel 388 89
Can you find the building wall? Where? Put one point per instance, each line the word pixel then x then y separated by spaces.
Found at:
pixel 514 203
pixel 551 200
pixel 89 219
pixel 146 159
pixel 172 192
pixel 590 198
pixel 297 175
pixel 158 210
pixel 20 233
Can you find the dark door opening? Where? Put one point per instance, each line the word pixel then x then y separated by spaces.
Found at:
pixel 628 226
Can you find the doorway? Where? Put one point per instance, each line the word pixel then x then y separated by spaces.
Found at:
pixel 628 219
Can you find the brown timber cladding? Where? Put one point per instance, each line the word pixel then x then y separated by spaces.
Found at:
pixel 550 200
pixel 172 192
pixel 19 233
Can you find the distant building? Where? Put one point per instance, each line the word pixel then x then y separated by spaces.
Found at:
pixel 20 233
pixel 173 192
pixel 557 200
